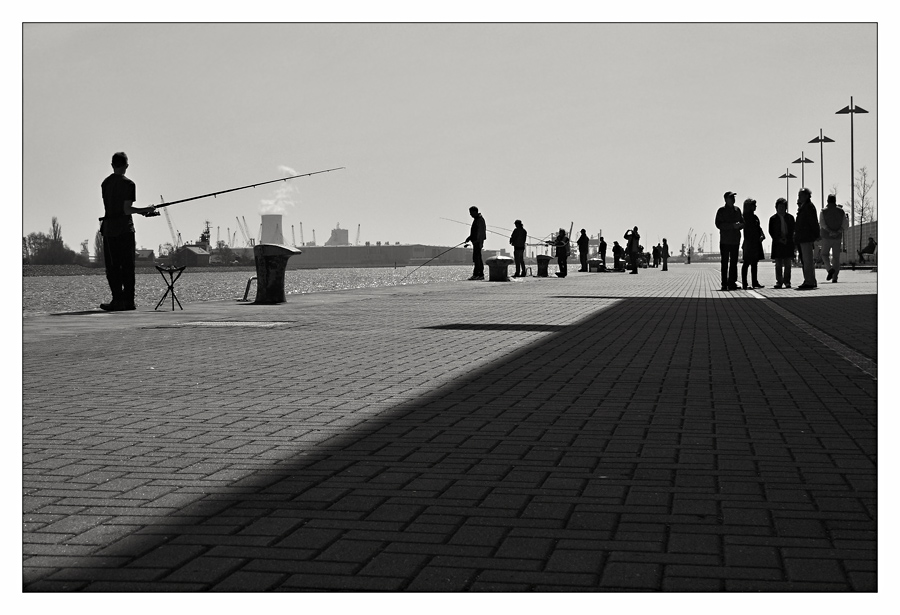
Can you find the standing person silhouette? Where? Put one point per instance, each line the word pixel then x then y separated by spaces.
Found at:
pixel 833 223
pixel 633 248
pixel 517 241
pixel 602 247
pixel 583 246
pixel 781 230
pixel 664 254
pixel 753 247
pixel 618 252
pixel 806 233
pixel 729 222
pixel 117 230
pixel 562 252
pixel 477 236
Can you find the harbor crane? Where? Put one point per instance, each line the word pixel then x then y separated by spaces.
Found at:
pixel 702 243
pixel 176 237
pixel 243 232
pixel 247 230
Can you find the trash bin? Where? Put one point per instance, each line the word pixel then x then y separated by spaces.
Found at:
pixel 543 262
pixel 271 262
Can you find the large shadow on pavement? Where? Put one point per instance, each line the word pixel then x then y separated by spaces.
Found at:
pixel 659 444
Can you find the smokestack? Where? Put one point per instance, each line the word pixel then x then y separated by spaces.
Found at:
pixel 271 229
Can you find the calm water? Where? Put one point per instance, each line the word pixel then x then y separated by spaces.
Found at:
pixel 72 293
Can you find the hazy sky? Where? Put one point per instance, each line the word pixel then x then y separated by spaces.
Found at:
pixel 605 125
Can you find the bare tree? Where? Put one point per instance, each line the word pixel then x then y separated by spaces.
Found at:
pixel 863 201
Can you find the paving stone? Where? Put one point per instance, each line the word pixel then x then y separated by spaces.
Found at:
pixel 471 443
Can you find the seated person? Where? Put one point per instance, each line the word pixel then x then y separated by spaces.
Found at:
pixel 869 249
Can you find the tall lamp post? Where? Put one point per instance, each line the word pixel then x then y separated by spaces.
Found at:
pixel 820 140
pixel 802 160
pixel 852 110
pixel 787 177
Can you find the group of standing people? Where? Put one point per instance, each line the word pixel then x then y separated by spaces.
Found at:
pixel 789 236
pixel 478 235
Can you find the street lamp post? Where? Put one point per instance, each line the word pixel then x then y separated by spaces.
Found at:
pixel 852 110
pixel 820 140
pixel 787 183
pixel 802 160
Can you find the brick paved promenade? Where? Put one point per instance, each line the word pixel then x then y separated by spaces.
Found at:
pixel 606 432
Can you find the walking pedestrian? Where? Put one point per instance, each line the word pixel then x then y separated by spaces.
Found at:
pixel 664 252
pixel 753 247
pixel 517 241
pixel 781 230
pixel 583 246
pixel 117 229
pixel 806 233
pixel 832 224
pixel 634 248
pixel 729 221
pixel 477 236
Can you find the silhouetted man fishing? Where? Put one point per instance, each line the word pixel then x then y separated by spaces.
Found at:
pixel 477 235
pixel 118 234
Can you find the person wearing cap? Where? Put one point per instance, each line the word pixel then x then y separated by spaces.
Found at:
pixel 517 241
pixel 832 224
pixel 781 230
pixel 117 230
pixel 477 236
pixel 806 233
pixel 729 221
pixel 583 246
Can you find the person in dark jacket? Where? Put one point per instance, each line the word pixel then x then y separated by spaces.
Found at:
pixel 664 255
pixel 477 235
pixel 517 241
pixel 753 244
pixel 562 252
pixel 618 252
pixel 583 247
pixel 729 221
pixel 806 233
pixel 117 229
pixel 633 248
pixel 781 230
pixel 602 248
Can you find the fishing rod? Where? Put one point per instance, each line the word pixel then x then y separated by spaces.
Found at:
pixel 495 232
pixel 431 259
pixel 213 194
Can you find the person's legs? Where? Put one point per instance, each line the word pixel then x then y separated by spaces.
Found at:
pixel 809 265
pixel 754 280
pixel 744 268
pixel 478 270
pixel 779 272
pixel 113 268
pixel 127 270
pixel 723 256
pixel 732 265
pixel 665 264
pixel 519 256
pixel 788 264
